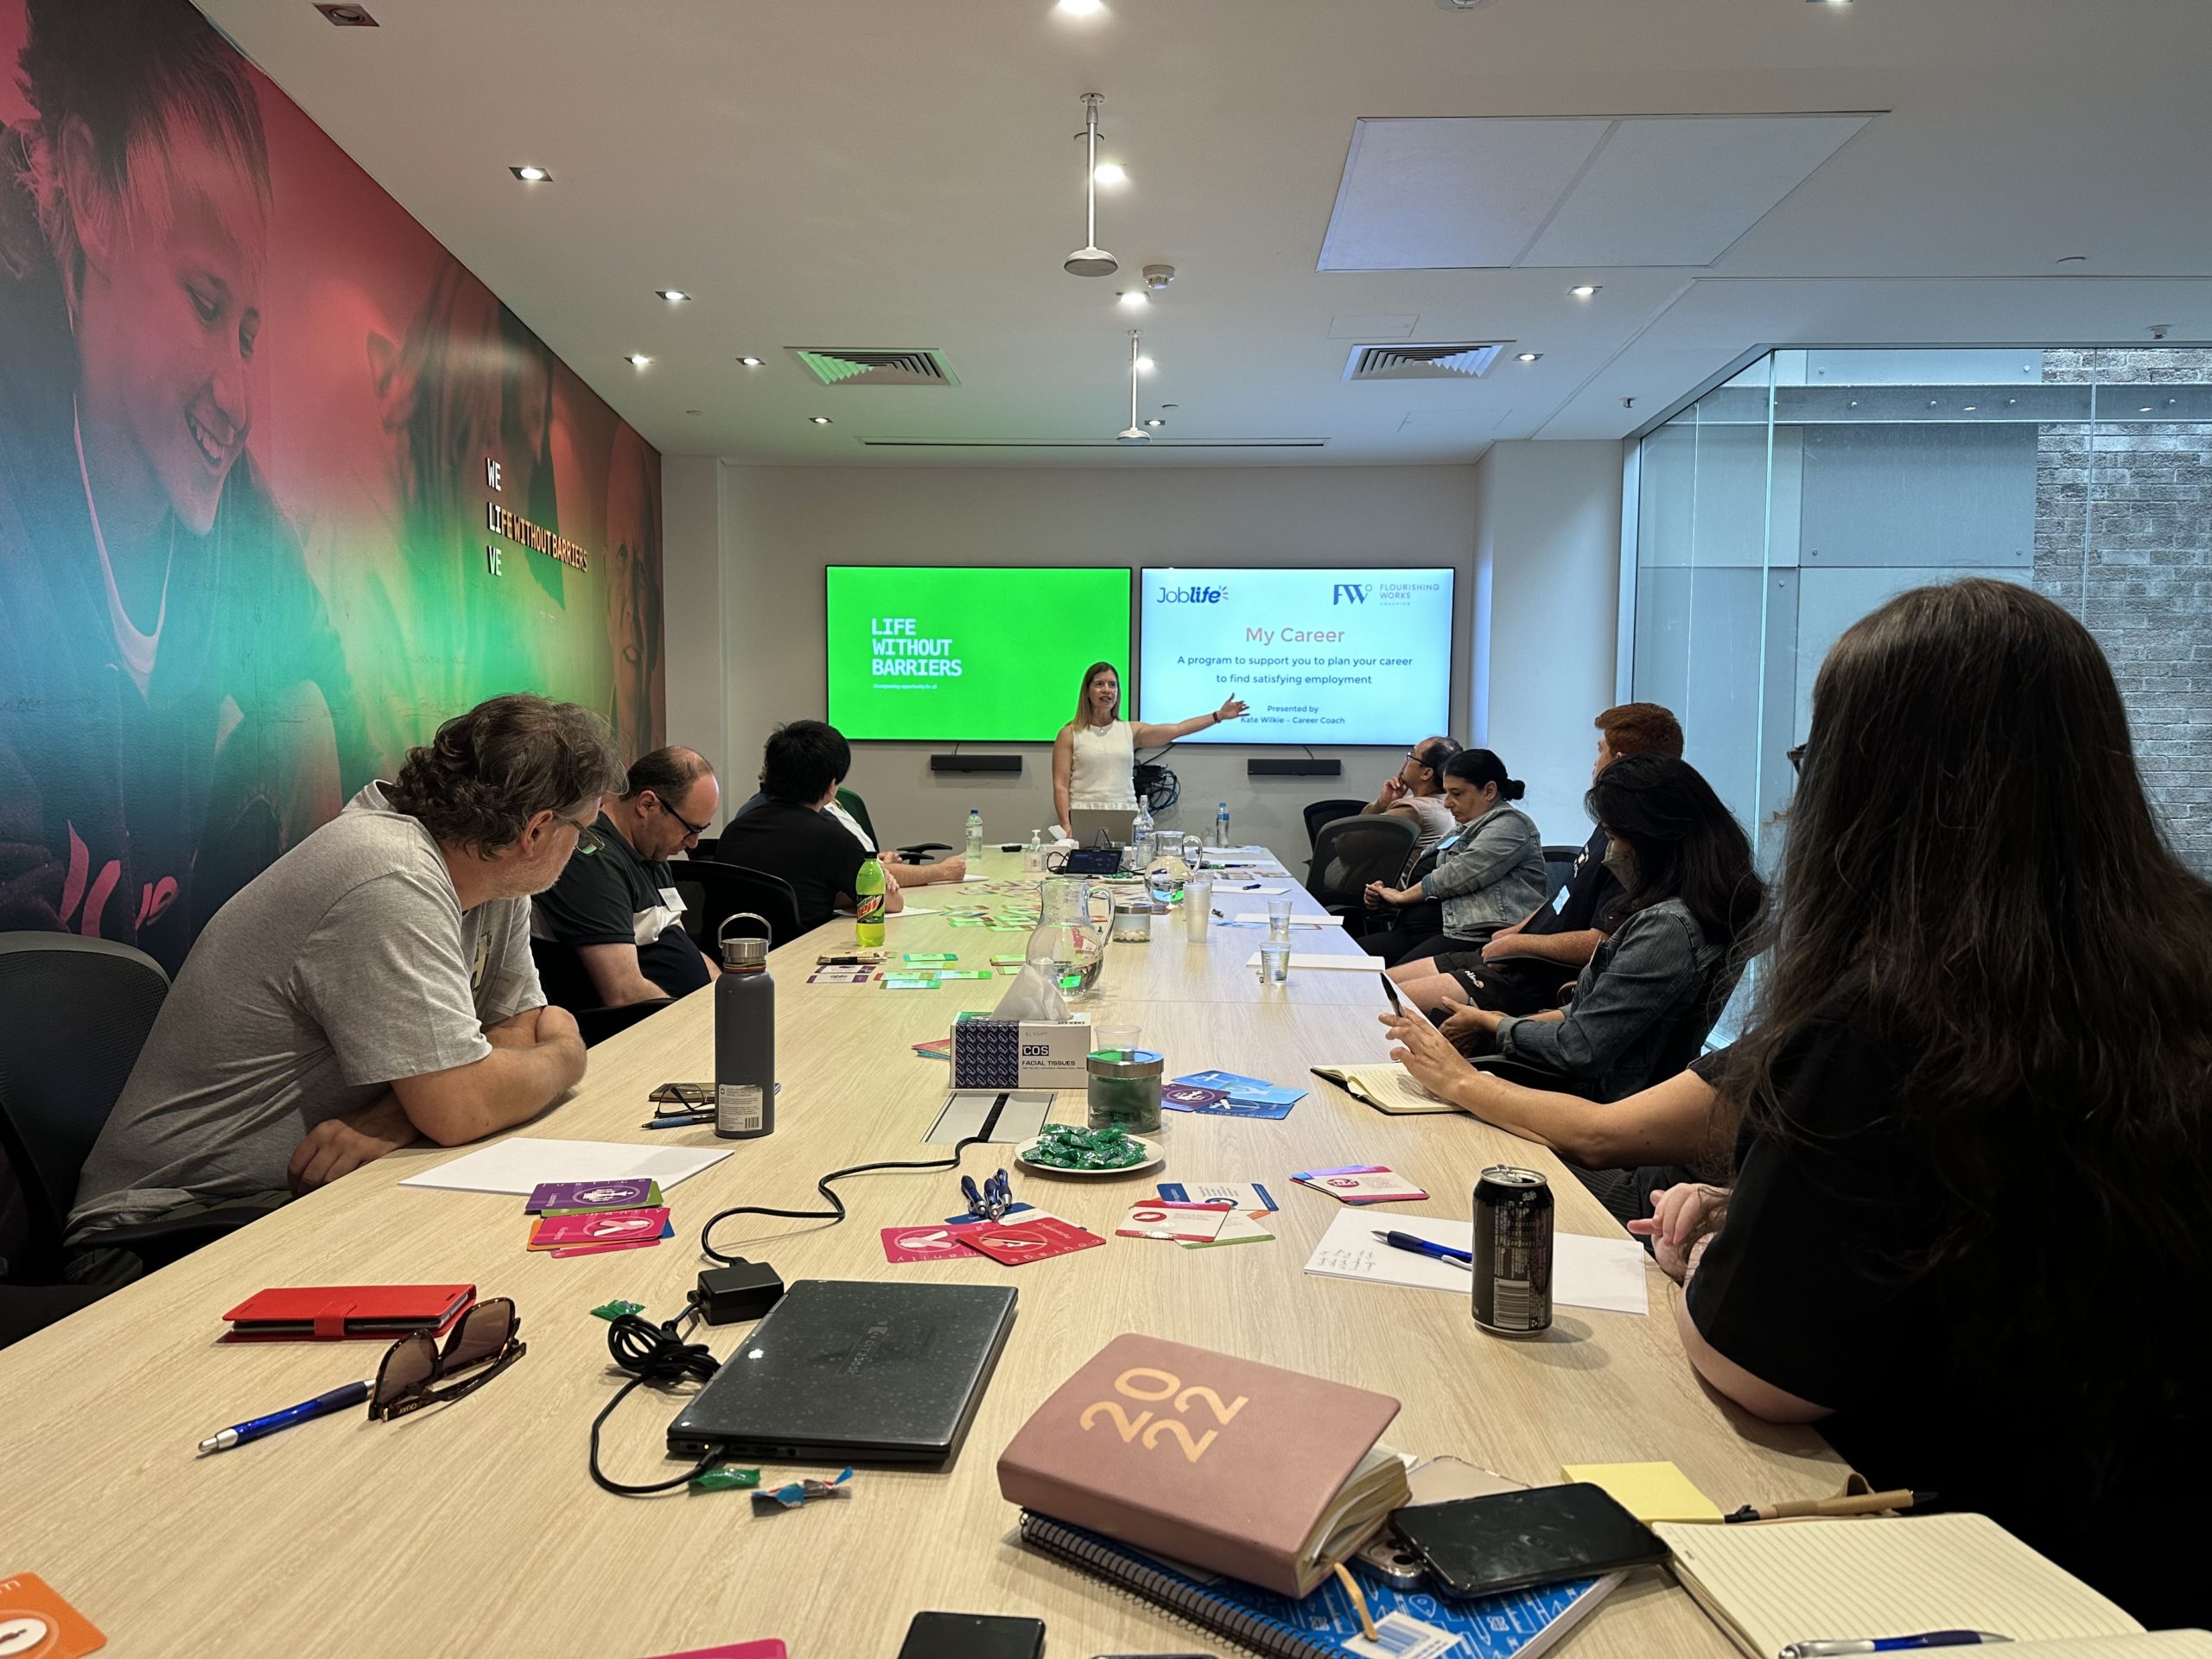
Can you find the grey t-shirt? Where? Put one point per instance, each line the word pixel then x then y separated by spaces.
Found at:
pixel 347 962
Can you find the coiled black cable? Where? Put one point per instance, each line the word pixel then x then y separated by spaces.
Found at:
pixel 835 1212
pixel 653 1353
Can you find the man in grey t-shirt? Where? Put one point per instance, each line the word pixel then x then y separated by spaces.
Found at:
pixel 373 984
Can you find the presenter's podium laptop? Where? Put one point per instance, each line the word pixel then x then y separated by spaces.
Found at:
pixel 1085 824
pixel 847 1371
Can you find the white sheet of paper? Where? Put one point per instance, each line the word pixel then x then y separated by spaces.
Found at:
pixel 1355 962
pixel 1265 889
pixel 525 1163
pixel 1295 921
pixel 1604 1273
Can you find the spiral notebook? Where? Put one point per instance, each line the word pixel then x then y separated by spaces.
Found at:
pixel 1324 1624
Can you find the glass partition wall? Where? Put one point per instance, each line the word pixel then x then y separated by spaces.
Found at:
pixel 1782 506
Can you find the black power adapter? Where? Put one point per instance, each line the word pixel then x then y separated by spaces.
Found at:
pixel 743 1290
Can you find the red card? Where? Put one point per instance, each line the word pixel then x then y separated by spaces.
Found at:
pixel 598 1227
pixel 924 1244
pixel 1031 1239
pixel 35 1621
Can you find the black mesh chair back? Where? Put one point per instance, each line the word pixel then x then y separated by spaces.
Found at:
pixel 1320 812
pixel 1351 852
pixel 1559 867
pixel 714 891
pixel 73 1014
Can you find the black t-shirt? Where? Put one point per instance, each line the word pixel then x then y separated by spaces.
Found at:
pixel 812 851
pixel 1590 892
pixel 1812 1285
pixel 611 896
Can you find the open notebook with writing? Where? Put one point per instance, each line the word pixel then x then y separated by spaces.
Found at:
pixel 1768 1586
pixel 1385 1086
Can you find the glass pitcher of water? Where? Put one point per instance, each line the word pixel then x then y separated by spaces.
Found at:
pixel 1069 940
pixel 1173 862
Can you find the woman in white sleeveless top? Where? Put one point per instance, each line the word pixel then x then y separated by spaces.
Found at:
pixel 1095 753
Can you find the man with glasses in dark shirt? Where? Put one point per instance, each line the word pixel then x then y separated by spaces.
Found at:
pixel 610 931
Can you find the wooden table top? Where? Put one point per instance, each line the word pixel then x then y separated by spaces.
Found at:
pixel 475 1528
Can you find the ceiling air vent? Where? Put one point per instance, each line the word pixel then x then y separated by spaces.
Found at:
pixel 839 366
pixel 1462 360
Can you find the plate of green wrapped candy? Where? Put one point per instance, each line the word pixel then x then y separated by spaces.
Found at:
pixel 1071 1149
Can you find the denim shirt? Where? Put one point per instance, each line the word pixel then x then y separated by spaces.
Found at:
pixel 1640 984
pixel 1491 873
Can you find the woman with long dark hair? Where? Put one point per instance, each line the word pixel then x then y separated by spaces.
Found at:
pixel 1972 1216
pixel 1094 758
pixel 1487 872
pixel 1673 941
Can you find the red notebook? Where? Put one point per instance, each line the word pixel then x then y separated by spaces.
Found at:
pixel 329 1313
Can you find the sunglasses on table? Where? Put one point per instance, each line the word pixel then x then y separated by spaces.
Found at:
pixel 416 1372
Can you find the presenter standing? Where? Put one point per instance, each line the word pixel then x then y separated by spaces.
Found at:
pixel 1094 758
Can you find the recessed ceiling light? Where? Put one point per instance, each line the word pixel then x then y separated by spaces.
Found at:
pixel 348 17
pixel 2145 409
pixel 1155 421
pixel 1583 291
pixel 1144 365
pixel 636 361
pixel 1854 403
pixel 1109 174
pixel 1967 408
pixel 817 419
pixel 673 295
pixel 1135 299
pixel 1080 8
pixel 1530 357
pixel 531 174
pixel 750 362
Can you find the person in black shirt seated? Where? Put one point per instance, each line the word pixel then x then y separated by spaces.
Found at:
pixel 1966 1233
pixel 789 834
pixel 610 931
pixel 1523 967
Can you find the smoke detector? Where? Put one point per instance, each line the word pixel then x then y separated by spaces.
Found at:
pixel 1156 278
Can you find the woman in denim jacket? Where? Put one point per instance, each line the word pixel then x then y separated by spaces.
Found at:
pixel 1652 990
pixel 1489 873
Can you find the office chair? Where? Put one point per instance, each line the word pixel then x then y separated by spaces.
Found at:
pixel 1320 812
pixel 1351 852
pixel 1559 867
pixel 722 890
pixel 595 1025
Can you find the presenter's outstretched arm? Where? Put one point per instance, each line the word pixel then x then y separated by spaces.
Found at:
pixel 1148 736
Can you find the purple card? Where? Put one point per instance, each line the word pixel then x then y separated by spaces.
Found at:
pixel 1188 1097
pixel 630 1193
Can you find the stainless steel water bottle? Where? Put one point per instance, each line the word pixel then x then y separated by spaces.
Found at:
pixel 745 1036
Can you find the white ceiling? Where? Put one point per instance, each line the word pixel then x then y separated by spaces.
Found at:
pixel 898 173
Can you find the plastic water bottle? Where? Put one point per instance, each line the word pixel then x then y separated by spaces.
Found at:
pixel 974 833
pixel 1140 835
pixel 867 911
pixel 1221 826
pixel 744 1043
pixel 1032 856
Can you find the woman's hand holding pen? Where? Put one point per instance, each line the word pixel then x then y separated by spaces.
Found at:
pixel 1428 1055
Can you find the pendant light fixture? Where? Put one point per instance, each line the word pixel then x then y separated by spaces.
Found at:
pixel 1136 433
pixel 1090 259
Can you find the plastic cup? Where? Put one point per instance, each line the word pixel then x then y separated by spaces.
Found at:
pixel 1279 919
pixel 1198 908
pixel 1118 1039
pixel 1274 961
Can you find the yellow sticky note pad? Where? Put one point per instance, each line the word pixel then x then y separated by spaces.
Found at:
pixel 1650 1491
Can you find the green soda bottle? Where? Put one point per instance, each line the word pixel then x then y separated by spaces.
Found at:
pixel 868 920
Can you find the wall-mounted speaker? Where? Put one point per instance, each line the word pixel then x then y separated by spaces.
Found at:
pixel 974 763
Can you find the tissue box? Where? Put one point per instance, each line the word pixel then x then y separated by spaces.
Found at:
pixel 1020 1054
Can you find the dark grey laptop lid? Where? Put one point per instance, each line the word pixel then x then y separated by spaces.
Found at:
pixel 853 1369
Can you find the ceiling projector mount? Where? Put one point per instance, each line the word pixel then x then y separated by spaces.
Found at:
pixel 1090 259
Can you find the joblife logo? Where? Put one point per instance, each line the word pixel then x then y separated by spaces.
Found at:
pixel 1347 592
pixel 1191 595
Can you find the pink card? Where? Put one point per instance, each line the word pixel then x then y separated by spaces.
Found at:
pixel 1030 1239
pixel 1194 1223
pixel 598 1227
pixel 930 1243
pixel 770 1649
pixel 1361 1184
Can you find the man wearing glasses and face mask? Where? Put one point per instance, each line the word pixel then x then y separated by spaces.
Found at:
pixel 610 931
pixel 372 985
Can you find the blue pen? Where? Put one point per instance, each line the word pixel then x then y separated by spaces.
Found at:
pixel 1422 1247
pixel 322 1406
pixel 1890 1643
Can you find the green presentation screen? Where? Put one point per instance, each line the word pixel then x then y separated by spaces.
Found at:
pixel 964 654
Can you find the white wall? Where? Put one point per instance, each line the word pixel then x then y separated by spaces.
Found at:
pixel 779 526
pixel 691 589
pixel 1547 574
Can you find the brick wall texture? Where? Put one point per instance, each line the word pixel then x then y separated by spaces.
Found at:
pixel 2124 540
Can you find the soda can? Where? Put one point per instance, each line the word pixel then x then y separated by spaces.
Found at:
pixel 1513 1251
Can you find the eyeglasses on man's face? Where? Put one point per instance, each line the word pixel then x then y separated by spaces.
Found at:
pixel 691 831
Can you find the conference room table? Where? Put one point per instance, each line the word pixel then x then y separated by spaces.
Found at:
pixel 473 1526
